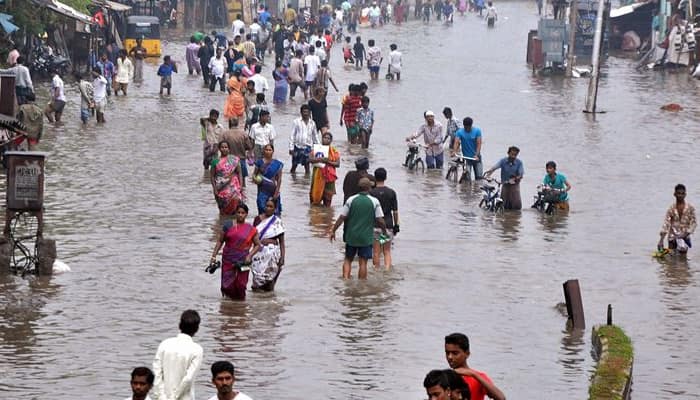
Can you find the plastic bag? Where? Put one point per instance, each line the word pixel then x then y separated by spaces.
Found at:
pixel 681 245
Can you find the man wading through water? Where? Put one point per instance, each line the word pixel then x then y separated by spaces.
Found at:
pixel 360 213
pixel 679 223
pixel 139 53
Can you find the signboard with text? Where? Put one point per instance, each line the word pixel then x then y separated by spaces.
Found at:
pixel 25 180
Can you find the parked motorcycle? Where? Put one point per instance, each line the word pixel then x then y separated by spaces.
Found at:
pixel 46 64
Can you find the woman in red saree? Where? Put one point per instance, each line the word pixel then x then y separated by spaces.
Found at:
pixel 240 241
pixel 226 179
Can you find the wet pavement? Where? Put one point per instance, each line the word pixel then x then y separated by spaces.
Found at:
pixel 133 216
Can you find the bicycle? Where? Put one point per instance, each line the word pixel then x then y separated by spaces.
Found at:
pixel 413 157
pixel 546 199
pixel 24 237
pixel 491 199
pixel 455 163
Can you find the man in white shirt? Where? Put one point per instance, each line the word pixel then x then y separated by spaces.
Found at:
pixel 99 85
pixel 223 378
pixel 217 69
pixel 262 133
pixel 141 383
pixel 237 25
pixel 317 36
pixel 261 85
pixel 54 110
pixel 319 51
pixel 311 65
pixel 339 14
pixel 254 28
pixel 302 139
pixel 177 361
pixel 395 62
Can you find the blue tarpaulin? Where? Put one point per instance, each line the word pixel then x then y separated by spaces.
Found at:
pixel 7 25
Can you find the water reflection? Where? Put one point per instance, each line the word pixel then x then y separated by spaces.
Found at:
pixel 361 327
pixel 21 308
pixel 249 335
pixel 555 226
pixel 22 302
pixel 571 355
pixel 509 224
pixel 321 220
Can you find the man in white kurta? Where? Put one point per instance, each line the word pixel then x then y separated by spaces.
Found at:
pixel 177 361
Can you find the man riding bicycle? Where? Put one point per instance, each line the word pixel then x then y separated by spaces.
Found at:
pixel 469 139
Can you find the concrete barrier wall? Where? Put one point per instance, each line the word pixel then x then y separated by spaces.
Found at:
pixel 612 378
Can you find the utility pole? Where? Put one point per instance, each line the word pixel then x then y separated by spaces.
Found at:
pixel 691 20
pixel 597 39
pixel 573 17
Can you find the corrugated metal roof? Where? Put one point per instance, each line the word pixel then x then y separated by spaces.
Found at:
pixel 69 11
pixel 113 5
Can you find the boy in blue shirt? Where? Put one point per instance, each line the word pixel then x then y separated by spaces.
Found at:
pixel 165 71
pixel 556 180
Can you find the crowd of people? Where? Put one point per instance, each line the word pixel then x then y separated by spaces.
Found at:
pixel 177 361
pixel 239 153
pixel 175 367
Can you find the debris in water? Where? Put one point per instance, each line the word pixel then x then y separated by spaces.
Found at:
pixel 672 107
pixel 60 267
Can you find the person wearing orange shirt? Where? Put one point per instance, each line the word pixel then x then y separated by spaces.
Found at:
pixel 480 385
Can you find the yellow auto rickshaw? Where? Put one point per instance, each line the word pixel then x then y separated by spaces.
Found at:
pixel 146 28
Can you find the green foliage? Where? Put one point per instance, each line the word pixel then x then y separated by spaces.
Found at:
pixel 79 5
pixel 611 374
pixel 26 15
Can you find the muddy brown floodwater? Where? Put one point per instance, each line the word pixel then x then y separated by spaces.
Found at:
pixel 133 216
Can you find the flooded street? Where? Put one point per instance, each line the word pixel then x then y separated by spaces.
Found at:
pixel 133 215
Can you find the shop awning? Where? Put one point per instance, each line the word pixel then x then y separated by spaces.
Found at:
pixel 68 11
pixel 7 25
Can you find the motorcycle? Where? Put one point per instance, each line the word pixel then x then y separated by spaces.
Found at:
pixel 46 64
pixel 546 199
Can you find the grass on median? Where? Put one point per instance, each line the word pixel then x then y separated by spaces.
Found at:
pixel 611 374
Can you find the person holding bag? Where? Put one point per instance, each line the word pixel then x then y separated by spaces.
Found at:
pixel 323 177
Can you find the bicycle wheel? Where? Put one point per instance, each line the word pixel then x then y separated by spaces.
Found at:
pixel 420 166
pixel 451 172
pixel 498 209
pixel 407 160
pixel 550 209
pixel 23 236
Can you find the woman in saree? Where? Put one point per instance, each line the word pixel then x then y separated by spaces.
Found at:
pixel 268 262
pixel 323 178
pixel 280 75
pixel 226 179
pixel 268 176
pixel 234 107
pixel 462 7
pixel 240 242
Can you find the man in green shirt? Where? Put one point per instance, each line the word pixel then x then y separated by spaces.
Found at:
pixel 360 213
